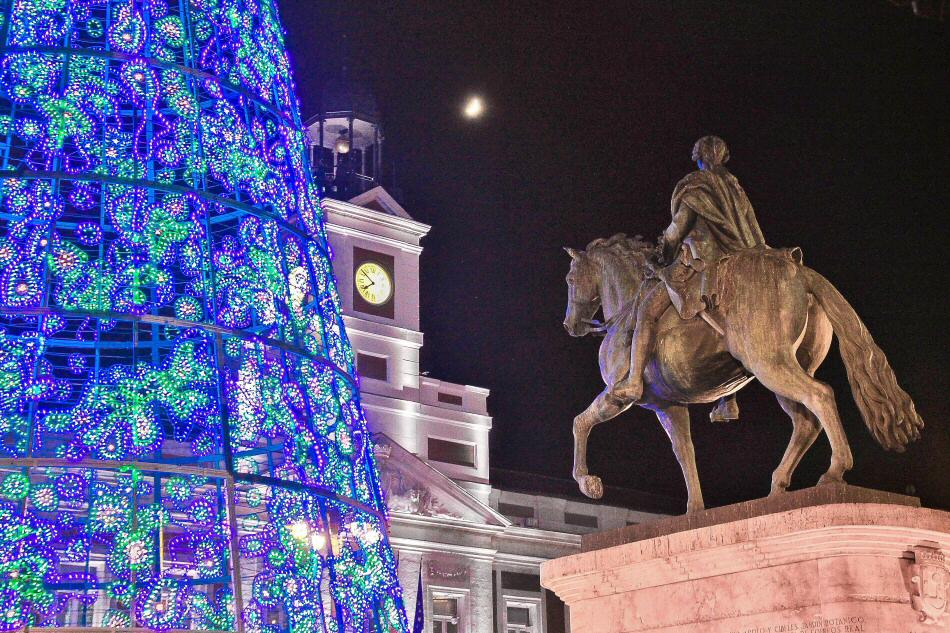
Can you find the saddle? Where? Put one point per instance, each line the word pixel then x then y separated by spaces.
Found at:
pixel 693 284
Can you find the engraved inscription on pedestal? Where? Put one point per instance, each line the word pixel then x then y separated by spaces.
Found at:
pixel 843 624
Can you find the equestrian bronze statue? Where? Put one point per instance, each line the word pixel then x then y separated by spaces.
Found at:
pixel 697 317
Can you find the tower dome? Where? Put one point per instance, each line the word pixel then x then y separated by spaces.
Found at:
pixel 346 94
pixel 346 138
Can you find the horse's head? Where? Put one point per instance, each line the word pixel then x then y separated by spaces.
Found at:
pixel 607 275
pixel 583 293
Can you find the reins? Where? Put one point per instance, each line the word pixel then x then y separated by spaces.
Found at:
pixel 597 327
pixel 600 328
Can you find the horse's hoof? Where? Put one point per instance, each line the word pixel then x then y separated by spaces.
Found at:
pixel 826 479
pixel 695 509
pixel 591 486
pixel 778 487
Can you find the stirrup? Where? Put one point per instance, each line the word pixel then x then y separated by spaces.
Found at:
pixel 723 413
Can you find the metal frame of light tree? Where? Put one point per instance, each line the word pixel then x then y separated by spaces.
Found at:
pixel 181 437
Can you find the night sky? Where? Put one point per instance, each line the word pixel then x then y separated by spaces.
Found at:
pixel 836 115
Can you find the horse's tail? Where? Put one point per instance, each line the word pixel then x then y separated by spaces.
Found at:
pixel 886 408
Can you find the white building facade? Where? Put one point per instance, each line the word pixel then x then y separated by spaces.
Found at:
pixel 476 548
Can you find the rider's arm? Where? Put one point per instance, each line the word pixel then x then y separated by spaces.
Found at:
pixel 683 221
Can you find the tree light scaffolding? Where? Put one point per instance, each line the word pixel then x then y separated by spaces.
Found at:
pixel 181 439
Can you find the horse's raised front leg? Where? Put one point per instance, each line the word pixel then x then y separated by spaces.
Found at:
pixel 805 428
pixel 603 408
pixel 675 421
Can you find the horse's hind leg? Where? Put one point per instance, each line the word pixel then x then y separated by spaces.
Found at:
pixel 786 378
pixel 816 339
pixel 603 408
pixel 805 428
pixel 675 421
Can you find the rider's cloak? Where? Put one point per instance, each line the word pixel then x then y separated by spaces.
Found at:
pixel 716 195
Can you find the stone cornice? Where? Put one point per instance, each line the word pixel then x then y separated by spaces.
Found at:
pixel 426 411
pixel 332 227
pixel 386 332
pixel 345 209
pixel 804 534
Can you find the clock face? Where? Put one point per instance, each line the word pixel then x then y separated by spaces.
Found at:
pixel 373 283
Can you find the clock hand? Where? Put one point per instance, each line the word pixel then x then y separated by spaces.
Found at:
pixel 363 275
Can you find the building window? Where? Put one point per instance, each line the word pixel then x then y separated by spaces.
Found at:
pixel 445 614
pixel 513 511
pixel 370 366
pixel 520 582
pixel 449 398
pixel 520 618
pixel 581 520
pixel 519 515
pixel 451 452
pixel 369 164
pixel 356 159
pixel 324 160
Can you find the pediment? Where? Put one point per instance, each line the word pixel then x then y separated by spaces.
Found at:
pixel 378 199
pixel 413 487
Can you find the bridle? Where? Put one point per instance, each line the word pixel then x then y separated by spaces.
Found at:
pixel 600 328
pixel 597 327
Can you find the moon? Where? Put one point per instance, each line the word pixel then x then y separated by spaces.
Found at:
pixel 474 108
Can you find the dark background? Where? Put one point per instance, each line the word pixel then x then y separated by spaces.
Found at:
pixel 836 117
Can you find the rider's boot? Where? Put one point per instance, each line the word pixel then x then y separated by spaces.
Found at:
pixel 630 389
pixel 726 410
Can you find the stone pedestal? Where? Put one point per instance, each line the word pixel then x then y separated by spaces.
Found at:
pixel 833 559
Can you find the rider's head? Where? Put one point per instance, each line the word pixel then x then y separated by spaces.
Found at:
pixel 710 152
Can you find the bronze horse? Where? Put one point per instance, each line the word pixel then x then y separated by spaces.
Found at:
pixel 777 315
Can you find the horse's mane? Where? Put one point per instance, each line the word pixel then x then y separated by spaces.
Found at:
pixel 633 248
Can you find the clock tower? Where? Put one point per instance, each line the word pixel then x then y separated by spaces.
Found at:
pixel 376 247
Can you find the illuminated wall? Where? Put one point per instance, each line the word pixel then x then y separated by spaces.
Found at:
pixel 181 439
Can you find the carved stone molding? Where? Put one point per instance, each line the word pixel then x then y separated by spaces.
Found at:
pixel 405 493
pixel 929 581
pixel 837 567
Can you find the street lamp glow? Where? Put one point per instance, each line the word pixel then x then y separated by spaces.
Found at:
pixel 474 108
pixel 299 530
pixel 317 541
pixel 342 144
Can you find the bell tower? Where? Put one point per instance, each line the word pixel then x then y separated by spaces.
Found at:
pixel 376 247
pixel 346 139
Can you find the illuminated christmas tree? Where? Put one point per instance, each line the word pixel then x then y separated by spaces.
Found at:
pixel 181 439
